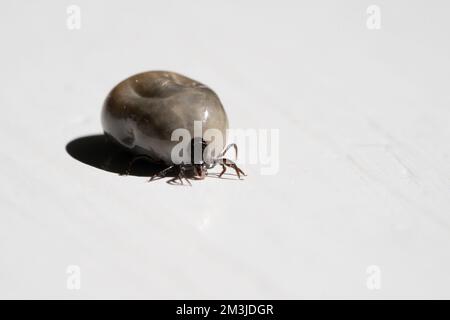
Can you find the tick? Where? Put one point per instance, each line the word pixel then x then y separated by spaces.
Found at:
pixel 142 112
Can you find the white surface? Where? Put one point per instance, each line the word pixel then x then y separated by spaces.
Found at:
pixel 364 151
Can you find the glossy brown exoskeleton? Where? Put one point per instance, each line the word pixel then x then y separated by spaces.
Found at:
pixel 143 111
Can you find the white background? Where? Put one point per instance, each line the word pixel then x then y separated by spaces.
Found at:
pixel 364 163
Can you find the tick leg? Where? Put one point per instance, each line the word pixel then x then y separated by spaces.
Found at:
pixel 180 176
pixel 231 164
pixel 174 179
pixel 161 174
pixel 183 175
pixel 223 170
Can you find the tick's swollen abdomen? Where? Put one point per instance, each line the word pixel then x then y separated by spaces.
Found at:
pixel 142 111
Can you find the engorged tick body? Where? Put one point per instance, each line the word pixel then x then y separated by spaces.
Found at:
pixel 143 111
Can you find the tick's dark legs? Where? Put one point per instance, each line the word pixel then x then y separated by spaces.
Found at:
pixel 180 172
pixel 180 176
pixel 162 173
pixel 224 162
pixel 228 163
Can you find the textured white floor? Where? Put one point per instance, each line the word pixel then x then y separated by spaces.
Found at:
pixel 364 179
